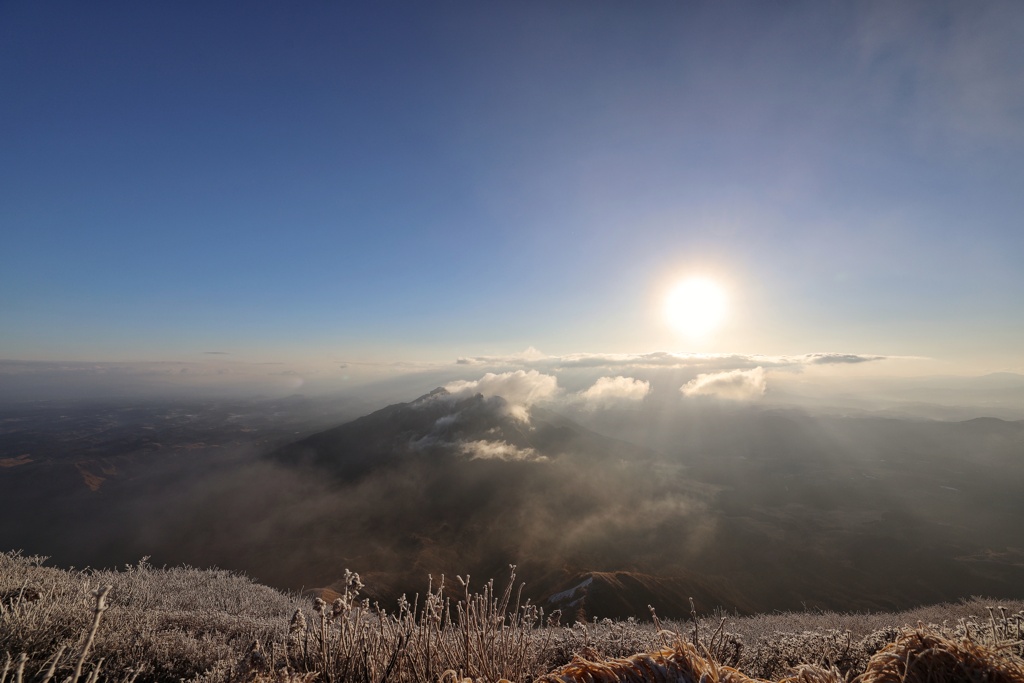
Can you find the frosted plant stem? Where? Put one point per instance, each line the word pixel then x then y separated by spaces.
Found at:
pixel 53 665
pixel 101 607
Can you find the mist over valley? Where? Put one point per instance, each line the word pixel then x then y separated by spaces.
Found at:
pixel 605 505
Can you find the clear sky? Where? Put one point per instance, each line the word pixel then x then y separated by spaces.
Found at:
pixel 423 181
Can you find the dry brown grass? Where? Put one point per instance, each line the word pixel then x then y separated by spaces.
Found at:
pixel 923 656
pixel 679 664
pixel 918 656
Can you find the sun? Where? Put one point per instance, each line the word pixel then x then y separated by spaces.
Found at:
pixel 696 307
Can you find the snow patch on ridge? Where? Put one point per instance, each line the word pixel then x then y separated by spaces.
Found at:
pixel 571 593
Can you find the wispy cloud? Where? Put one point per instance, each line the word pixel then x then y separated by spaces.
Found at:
pixel 531 358
pixel 966 86
pixel 498 450
pixel 390 365
pixel 530 354
pixel 838 358
pixel 737 385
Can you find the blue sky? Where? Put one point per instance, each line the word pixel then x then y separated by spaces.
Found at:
pixel 417 182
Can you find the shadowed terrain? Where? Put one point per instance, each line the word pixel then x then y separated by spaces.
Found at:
pixel 604 511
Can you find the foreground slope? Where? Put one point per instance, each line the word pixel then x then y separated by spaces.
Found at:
pixel 145 624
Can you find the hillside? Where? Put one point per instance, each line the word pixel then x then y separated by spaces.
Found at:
pixel 749 510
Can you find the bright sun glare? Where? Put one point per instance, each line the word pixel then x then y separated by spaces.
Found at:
pixel 695 307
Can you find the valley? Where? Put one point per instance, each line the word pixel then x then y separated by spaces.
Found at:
pixel 741 509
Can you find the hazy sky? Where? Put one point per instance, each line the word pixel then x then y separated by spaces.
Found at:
pixel 423 181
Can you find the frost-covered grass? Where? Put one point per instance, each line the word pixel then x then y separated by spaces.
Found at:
pixel 162 624
pixel 773 645
pixel 182 623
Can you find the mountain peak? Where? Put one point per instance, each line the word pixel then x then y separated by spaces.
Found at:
pixel 439 392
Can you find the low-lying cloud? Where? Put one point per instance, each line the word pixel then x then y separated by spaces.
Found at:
pixel 529 355
pixel 532 358
pixel 498 450
pixel 607 391
pixel 520 389
pixel 736 385
pixel 838 358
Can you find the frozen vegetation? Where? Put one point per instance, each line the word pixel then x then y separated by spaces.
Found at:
pixel 155 624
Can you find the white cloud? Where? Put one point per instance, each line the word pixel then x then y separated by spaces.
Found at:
pixel 446 421
pixel 738 385
pixel 520 389
pixel 498 450
pixel 610 390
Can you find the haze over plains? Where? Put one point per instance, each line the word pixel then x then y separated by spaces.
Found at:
pixel 320 199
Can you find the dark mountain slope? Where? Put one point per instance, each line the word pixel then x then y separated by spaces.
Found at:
pixel 439 426
pixel 446 485
pixel 744 509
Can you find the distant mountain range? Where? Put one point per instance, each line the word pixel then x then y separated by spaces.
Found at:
pixel 605 511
